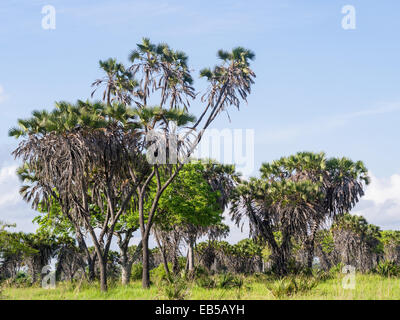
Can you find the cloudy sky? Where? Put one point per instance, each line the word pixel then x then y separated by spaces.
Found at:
pixel 319 87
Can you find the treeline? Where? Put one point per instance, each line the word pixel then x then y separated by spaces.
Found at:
pixel 349 241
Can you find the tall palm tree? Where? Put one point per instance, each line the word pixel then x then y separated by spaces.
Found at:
pixel 85 156
pixel 162 68
pixel 118 81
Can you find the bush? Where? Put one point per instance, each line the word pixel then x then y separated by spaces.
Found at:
pixel 230 281
pixel 174 288
pixel 322 275
pixel 21 280
pixel 159 274
pixel 206 282
pixel 290 286
pixel 337 269
pixel 137 271
pixel 198 273
pixel 387 269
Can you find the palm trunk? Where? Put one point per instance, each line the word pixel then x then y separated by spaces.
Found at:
pixel 281 256
pixel 191 255
pixel 310 253
pixel 310 245
pixel 103 274
pixel 279 264
pixel 146 271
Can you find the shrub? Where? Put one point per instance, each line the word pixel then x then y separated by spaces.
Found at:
pixel 229 281
pixel 159 274
pixel 225 281
pixel 286 287
pixel 322 275
pixel 337 269
pixel 174 288
pixel 281 288
pixel 21 280
pixel 387 269
pixel 206 282
pixel 197 273
pixel 137 271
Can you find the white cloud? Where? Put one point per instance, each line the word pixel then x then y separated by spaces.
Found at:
pixel 381 203
pixel 12 208
pixel 9 186
pixel 2 95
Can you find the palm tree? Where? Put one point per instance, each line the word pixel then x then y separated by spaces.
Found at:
pixel 340 180
pixel 296 195
pixel 161 68
pixel 91 153
pixel 276 205
pixel 84 156
pixel 165 71
pixel 119 82
pixel 356 241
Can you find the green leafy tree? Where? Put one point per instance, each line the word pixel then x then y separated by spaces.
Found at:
pixel 189 207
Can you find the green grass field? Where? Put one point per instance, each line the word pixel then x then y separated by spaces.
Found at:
pixel 368 287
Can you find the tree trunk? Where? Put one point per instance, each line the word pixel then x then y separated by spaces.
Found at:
pixel 91 269
pixel 163 254
pixel 191 256
pixel 281 256
pixel 126 272
pixel 310 253
pixel 165 262
pixel 103 274
pixel 175 264
pixel 146 271
pixel 280 264
pixel 311 244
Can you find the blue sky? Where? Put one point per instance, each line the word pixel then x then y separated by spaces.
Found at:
pixel 319 87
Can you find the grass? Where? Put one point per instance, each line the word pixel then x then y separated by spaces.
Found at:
pixel 368 287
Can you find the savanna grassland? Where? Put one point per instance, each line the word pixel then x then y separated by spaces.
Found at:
pixel 96 175
pixel 367 287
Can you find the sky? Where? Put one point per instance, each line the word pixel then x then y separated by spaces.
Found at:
pixel 319 87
